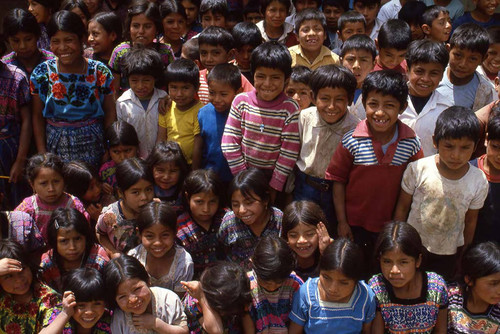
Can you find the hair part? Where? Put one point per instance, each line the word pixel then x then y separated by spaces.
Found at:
pixel 402 236
pixel 249 182
pixel 149 9
pixel 66 21
pixel 157 213
pixel 20 20
pixel 120 133
pixel 345 256
pixel 130 171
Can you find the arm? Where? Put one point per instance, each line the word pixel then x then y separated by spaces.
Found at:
pixel 367 327
pixel 108 246
pixel 231 141
pixel 68 305
pixel 197 152
pixel 295 328
pixel 343 228
pixel 377 324
pixel 149 321
pixel 442 322
pixel 24 142
pixel 403 206
pixel 470 226
pixel 248 324
pixel 39 124
pixel 115 84
pixel 109 110
pixel 162 134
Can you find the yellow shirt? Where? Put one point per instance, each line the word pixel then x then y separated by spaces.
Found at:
pixel 182 127
pixel 325 57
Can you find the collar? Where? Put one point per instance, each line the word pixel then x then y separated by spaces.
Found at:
pixel 324 52
pixel 362 130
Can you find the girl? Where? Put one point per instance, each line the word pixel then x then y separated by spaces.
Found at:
pixel 402 290
pixel 166 263
pixel 306 234
pixel 94 6
pixel 72 246
pixel 138 307
pixel 105 33
pixel 174 21
pixel 21 30
pixel 42 10
pixel 72 99
pixel 273 284
pixel 169 168
pixel 45 175
pixel 274 27
pixel 338 301
pixel 197 227
pixel 252 216
pixel 116 227
pixel 475 304
pixel 192 8
pixel 79 8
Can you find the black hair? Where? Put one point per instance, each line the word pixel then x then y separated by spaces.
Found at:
pixel 246 33
pixel 80 4
pixel 333 76
pixel 368 2
pixel 359 42
pixel 66 21
pixel 130 171
pixel 202 181
pixel 272 55
pixel 301 74
pixel 394 34
pixel 493 34
pixel 227 288
pixel 317 2
pixel 216 36
pixel 309 14
pixel 143 61
pixel 273 259
pixel 248 181
pixel 172 7
pixel 111 23
pixel 402 236
pixel 87 284
pixel 77 178
pixel 214 6
pixel 183 70
pixel 351 16
pixel 265 3
pixel 386 82
pixel 481 260
pixel 14 250
pixel 227 74
pixel 120 133
pixel 432 13
pixel 191 49
pixel 345 256
pixel 20 20
pixel 195 2
pixel 51 5
pixel 472 37
pixel 169 151
pixel 297 212
pixel 456 122
pixel 493 128
pixel 149 9
pixel 119 270
pixel 427 51
pixel 43 160
pixel 157 213
pixel 412 12
pixel 343 4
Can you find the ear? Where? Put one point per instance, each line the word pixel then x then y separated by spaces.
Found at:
pixel 376 44
pixel 419 261
pixel 448 47
pixel 286 83
pixel 198 63
pixel 114 36
pixel 497 84
pixel 230 54
pixel 120 193
pixel 468 280
pixel 434 142
pixel 403 108
pixel 426 29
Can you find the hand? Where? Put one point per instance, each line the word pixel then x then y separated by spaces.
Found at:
pixel 68 303
pixel 344 231
pixel 115 255
pixel 109 219
pixel 94 210
pixel 144 321
pixel 323 237
pixel 16 171
pixel 107 189
pixel 10 266
pixel 164 104
pixel 194 289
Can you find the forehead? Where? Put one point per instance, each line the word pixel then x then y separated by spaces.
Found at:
pixel 64 35
pixel 166 165
pixel 141 18
pixel 379 96
pixel 333 91
pixel 354 25
pixel 442 15
pixel 358 53
pixel 302 227
pixel 218 85
pixel 393 51
pixel 156 228
pixel 335 274
pixel 268 71
pixel 457 141
pixel 276 4
pixel 311 23
pixel 141 77
pixel 427 66
pixel 47 172
pixel 297 85
pixel 128 284
pixel 67 233
pixel 464 51
pixel 210 47
pixel 211 13
pixel 331 7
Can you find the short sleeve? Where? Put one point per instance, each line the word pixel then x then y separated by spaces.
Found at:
pixel 23 93
pixel 162 119
pixel 101 227
pixel 371 306
pixel 39 81
pixel 409 181
pixel 340 165
pixel 481 194
pixel 104 78
pixel 186 270
pixel 196 127
pixel 298 314
pixel 178 317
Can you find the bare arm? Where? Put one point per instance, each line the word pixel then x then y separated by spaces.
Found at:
pixel 343 228
pixel 211 320
pixel 197 152
pixel 470 226
pixel 248 324
pixel 442 322
pixel 162 134
pixel 24 142
pixel 109 108
pixel 367 327
pixel 378 324
pixel 39 124
pixel 108 245
pixel 115 84
pixel 68 309
pixel 403 206
pixel 295 328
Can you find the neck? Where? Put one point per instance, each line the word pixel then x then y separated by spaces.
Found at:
pixel 259 226
pixel 23 299
pixel 78 67
pixel 480 16
pixel 186 107
pixel 311 55
pixel 273 32
pixel 129 214
pixel 29 63
pixel 70 265
pixel 384 137
pixel 305 263
pixel 459 81
pixel 475 304
pixel 81 330
pixel 412 289
pixel 455 174
pixel 489 168
pixel 160 260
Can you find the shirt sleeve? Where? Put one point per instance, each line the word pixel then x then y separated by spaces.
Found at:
pixel 409 181
pixel 371 306
pixel 481 194
pixel 185 272
pixel 196 123
pixel 231 140
pixel 245 84
pixel 298 314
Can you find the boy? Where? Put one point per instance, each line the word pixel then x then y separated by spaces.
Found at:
pixel 483 15
pixel 139 104
pixel 310 27
pixel 350 23
pixel 393 40
pixel 426 61
pixel 332 10
pixel 251 13
pixel 298 86
pixel 191 50
pixel 213 13
pixel 367 166
pixel 369 9
pixel 491 63
pixel 246 37
pixel 436 24
pixel 467 88
pixel 180 123
pixel 321 129
pixel 441 194
pixel 262 127
pixel 216 47
pixel 411 13
pixel 484 115
pixel 224 82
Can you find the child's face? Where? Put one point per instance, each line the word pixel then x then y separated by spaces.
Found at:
pixel 269 285
pixel 424 78
pixel 398 268
pixel 203 207
pixel 191 11
pixel 360 62
pixel 82 16
pixel 488 7
pixel 135 197
pixel 221 95
pixel 332 103
pixel 93 194
pixel 40 12
pixel 275 14
pixel 416 31
pixel 166 175
pixel 122 152
pixel 67 47
pixel 142 85
pixel 23 44
pixel 48 185
pixel 99 39
pixel 18 283
pixel 243 56
pixel 211 55
pixel 303 240
pixel 174 27
pixel 454 154
pixel 492 62
pixel 182 93
pixel 300 92
pixel 158 240
pixel 142 30
pixel 250 210
pixel 382 112
pixel 390 57
pixel 335 287
pixel 93 5
pixel 70 245
pixel 493 154
pixel 300 5
pixel 441 28
pixel 332 15
pixel 463 62
pixel 350 29
pixel 486 289
pixel 133 296
pixel 253 17
pixel 370 11
pixel 210 19
pixel 87 314
pixel 268 82
pixel 311 36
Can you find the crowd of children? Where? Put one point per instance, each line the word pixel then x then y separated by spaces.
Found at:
pixel 231 166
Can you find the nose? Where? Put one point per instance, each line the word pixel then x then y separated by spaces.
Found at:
pixel 132 299
pixel 205 207
pixel 395 269
pixel 72 244
pixel 301 239
pixel 356 64
pixel 242 208
pixel 296 97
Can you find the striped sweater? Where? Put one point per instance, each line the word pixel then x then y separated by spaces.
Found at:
pixel 262 134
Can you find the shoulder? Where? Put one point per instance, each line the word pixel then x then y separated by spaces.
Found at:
pixel 436 282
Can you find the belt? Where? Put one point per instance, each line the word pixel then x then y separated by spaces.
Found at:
pixel 319 184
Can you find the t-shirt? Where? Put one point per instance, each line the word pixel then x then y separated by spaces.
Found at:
pixel 463 95
pixel 122 233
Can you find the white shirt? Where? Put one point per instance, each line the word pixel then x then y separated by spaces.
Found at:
pixel 389 11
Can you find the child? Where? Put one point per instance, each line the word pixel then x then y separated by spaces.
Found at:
pixel 436 24
pixel 368 164
pixel 224 82
pixel 402 289
pixel 350 23
pixel 483 15
pixel 180 123
pixel 72 246
pixel 467 88
pixel 455 8
pixel 252 14
pixel 105 33
pixel 42 10
pixel 491 63
pixel 275 147
pixel 116 227
pixel 137 306
pixel 298 86
pixel 191 50
pixel 442 194
pixel 213 13
pixel 138 105
pixel 45 175
pixel 252 216
pixel 273 27
pixel 337 301
pixel 79 7
pixel 299 6
pixel 272 284
pixel 246 37
pixel 321 129
pixel 169 169
pixel 426 62
pixel 310 27
pixel 192 8
pixel 474 305
pixel 411 13
pixel 333 9
pixel 174 20
pixel 369 9
pixel 197 227
pixel 166 263
pixel 393 40
pixel 72 96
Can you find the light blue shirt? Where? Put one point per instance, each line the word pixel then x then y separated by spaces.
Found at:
pixel 463 95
